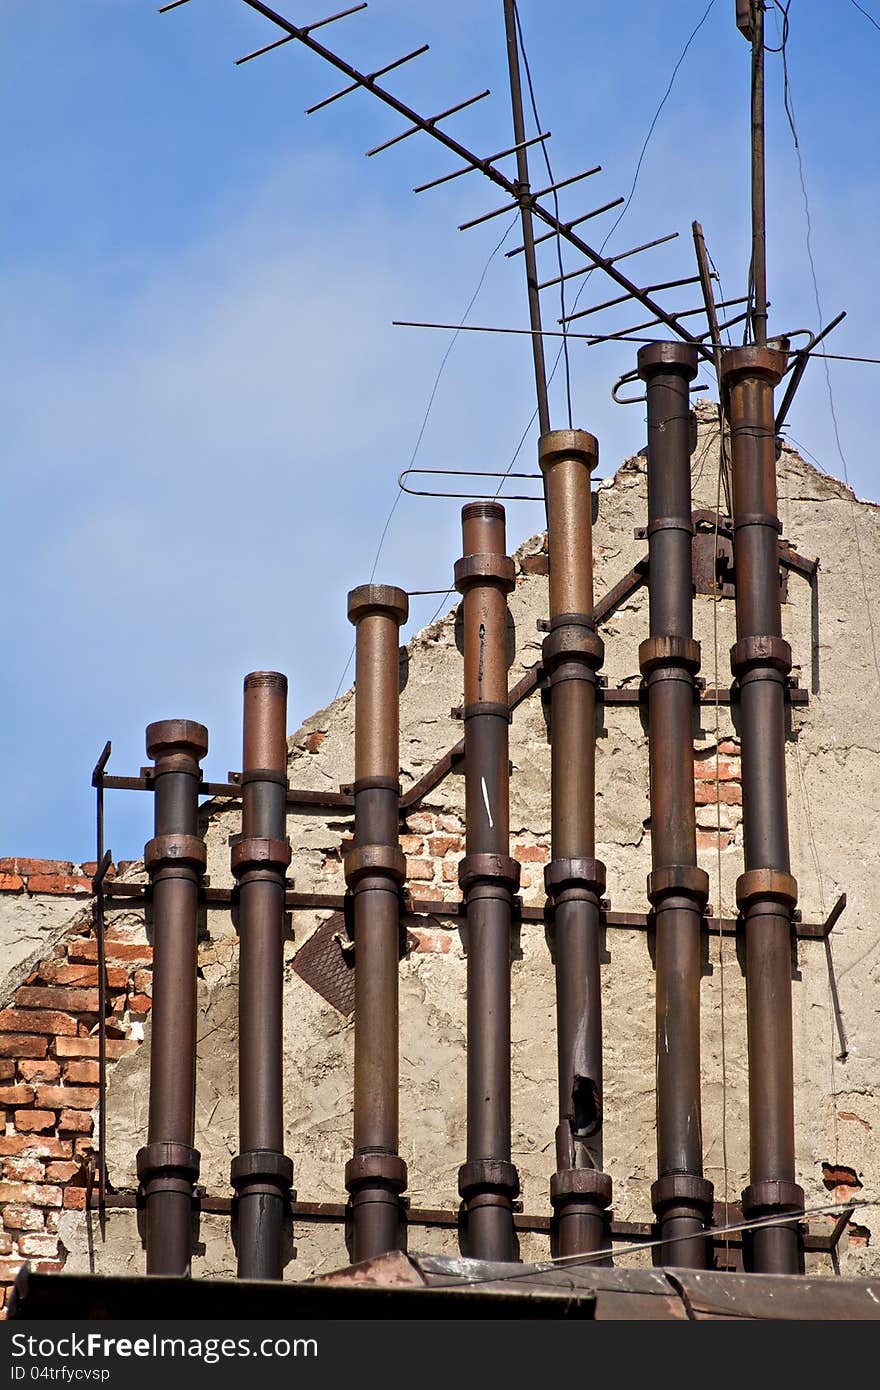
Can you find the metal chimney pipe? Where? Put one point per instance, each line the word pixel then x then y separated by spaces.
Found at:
pixel 766 892
pixel 574 879
pixel 168 1165
pixel 260 1173
pixel 488 1182
pixel 678 891
pixel 375 870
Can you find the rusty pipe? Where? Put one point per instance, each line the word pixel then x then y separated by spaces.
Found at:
pixel 488 1182
pixel 261 1173
pixel 678 890
pixel 375 870
pixel 574 879
pixel 766 892
pixel 168 1165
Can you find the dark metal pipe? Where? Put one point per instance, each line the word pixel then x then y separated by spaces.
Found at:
pixel 488 877
pixel 261 1173
pixel 168 1165
pixel 574 878
pixel 677 888
pixel 766 892
pixel 375 870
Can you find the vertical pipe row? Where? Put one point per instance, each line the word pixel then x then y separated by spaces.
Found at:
pixel 488 1182
pixel 175 858
pixel 678 890
pixel 375 870
pixel 766 892
pixel 574 879
pixel 261 1173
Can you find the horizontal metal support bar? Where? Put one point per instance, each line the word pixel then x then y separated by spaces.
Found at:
pixel 231 791
pixel 473 168
pixel 429 124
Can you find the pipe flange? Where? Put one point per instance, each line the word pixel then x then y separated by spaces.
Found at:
pixel 682 1189
pixel 669 523
pixel 492 1175
pixel 488 868
pixel 772 1194
pixel 487 567
pixel 491 707
pixel 385 1170
pixel 368 599
pixel 762 884
pixel 259 853
pixel 382 861
pixel 760 651
pixel 669 650
pixel 753 360
pixel 165 1158
pixel 573 641
pixel 561 874
pixel 655 359
pixel 684 880
pixel 557 446
pixel 743 519
pixel 376 784
pixel 174 736
pixel 264 1167
pixel 262 774
pixel 590 1184
pixel 173 852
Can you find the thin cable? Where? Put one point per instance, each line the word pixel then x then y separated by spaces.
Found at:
pixel 869 17
pixel 424 424
pixel 551 180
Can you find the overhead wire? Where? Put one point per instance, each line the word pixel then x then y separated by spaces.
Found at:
pixel 869 17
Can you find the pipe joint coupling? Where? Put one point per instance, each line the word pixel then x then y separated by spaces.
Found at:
pixel 574 641
pixel 487 567
pixel 772 1195
pixel 385 1170
pixel 684 1190
pixel 660 653
pixel 753 360
pixel 166 1166
pixel 261 1171
pixel 678 880
pixel 563 875
pixel 580 1184
pixel 375 861
pixel 769 886
pixel 255 855
pixel 751 653
pixel 175 856
pixel 494 870
pixel 487 1177
pixel 494 708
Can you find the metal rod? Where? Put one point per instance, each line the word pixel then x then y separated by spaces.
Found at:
pixel 168 1166
pixel 261 1173
pixel 678 890
pixel 759 216
pixel 800 366
pixel 576 222
pixel 429 123
pixel 331 19
pixel 574 879
pixel 530 198
pixel 488 1181
pixel 471 168
pixel 705 276
pixel 368 79
pixel 766 892
pixel 375 871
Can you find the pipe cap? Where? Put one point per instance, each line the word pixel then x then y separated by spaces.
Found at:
pixel 656 358
pixel 378 598
pixel 558 445
pixel 169 736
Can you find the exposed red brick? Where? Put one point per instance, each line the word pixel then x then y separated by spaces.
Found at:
pixel 708 794
pixel 23 1170
pixel 143 981
pixel 72 1097
pixel 839 1175
pixel 449 823
pixel 82 948
pixel 431 942
pixel 139 953
pixel 139 1005
pixel 535 854
pixel 48 1266
pixel 41 1146
pixel 36 1021
pixel 730 746
pixel 11 883
pixel 420 822
pixel 525 878
pixel 430 894
pixel 35 1121
pixel 314 740
pixel 449 869
pixel 39 1247
pixel 20 1045
pixel 75 1001
pixel 23 1218
pixel 61 1172
pixel 91 868
pixel 35 866
pixel 117 976
pixel 76 1122
pixel 53 972
pixel 5 1248
pixel 412 844
pixel 75 1198
pixel 421 870
pixel 88 1047
pixel 42 1069
pixel 438 845
pixel 16 1095
pixel 727 772
pixel 83 1147
pixel 31 1193
pixel 59 885
pixel 82 1073
pixel 9 1269
pixel 7 1070
pixel 710 839
pixel 859 1235
pixel 849 1115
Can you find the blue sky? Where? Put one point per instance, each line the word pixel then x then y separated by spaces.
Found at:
pixel 205 404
